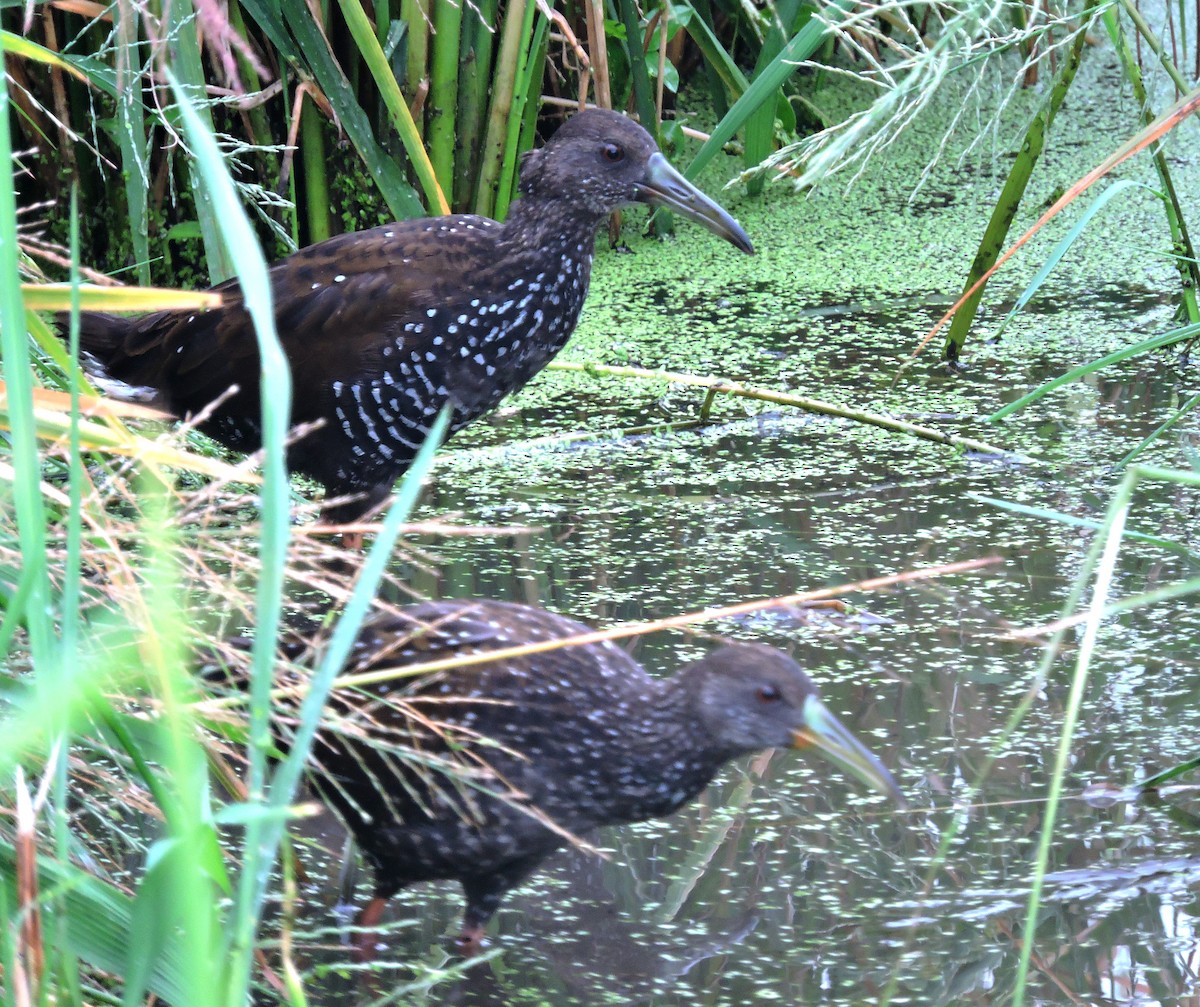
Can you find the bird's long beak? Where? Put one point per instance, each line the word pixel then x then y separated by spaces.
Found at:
pixel 824 732
pixel 663 186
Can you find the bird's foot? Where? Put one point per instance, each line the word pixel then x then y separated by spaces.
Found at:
pixel 469 942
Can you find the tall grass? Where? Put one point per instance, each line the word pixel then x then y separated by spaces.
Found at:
pixel 427 107
pixel 105 632
pixel 436 104
pixel 108 653
pixel 1091 599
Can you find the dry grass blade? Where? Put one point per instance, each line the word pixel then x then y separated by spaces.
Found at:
pixel 30 959
pixel 216 523
pixel 52 400
pixel 89 9
pixel 52 418
pixel 629 630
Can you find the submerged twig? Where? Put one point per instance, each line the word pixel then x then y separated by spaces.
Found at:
pixel 725 386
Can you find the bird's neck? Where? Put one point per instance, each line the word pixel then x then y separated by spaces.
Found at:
pixel 675 740
pixel 539 269
pixel 547 224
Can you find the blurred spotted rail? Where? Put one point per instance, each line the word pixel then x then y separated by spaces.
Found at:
pixel 479 773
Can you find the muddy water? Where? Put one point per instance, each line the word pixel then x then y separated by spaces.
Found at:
pixel 786 883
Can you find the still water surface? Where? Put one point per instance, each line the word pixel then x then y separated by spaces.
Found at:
pixel 785 883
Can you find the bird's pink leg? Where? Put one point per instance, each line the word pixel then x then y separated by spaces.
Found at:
pixel 365 937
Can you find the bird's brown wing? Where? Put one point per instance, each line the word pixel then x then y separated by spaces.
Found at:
pixel 337 304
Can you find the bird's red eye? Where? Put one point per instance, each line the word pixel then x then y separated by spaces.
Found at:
pixel 613 152
pixel 768 694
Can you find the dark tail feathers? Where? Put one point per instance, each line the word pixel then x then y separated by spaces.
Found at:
pixel 99 333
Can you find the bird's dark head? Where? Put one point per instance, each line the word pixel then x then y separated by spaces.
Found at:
pixel 603 161
pixel 752 697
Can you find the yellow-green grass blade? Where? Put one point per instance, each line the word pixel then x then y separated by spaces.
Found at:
pixel 34 585
pixel 57 297
pixel 389 90
pixel 51 418
pixel 261 842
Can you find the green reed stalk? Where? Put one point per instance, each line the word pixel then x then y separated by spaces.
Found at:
pixel 276 391
pixel 635 51
pixel 383 168
pixel 531 92
pixel 34 585
pixel 316 182
pixel 1185 257
pixel 184 878
pixel 478 47
pixel 996 232
pixel 381 70
pixel 293 188
pixel 187 65
pixel 526 84
pixel 32 603
pixel 443 91
pixel 416 15
pixel 518 17
pixel 383 21
pixel 72 570
pixel 1155 43
pixel 131 136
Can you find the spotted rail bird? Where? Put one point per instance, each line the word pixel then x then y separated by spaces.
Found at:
pixel 545 746
pixel 383 327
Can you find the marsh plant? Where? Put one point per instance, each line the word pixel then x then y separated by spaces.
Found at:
pixel 142 829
